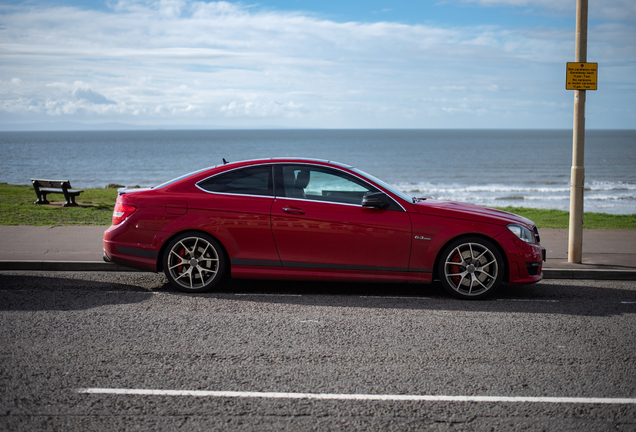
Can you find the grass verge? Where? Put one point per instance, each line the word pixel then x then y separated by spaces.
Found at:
pixel 17 208
pixel 561 219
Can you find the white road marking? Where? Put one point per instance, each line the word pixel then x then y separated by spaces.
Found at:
pixel 395 297
pixel 529 300
pixel 131 292
pixel 273 295
pixel 269 295
pixel 356 397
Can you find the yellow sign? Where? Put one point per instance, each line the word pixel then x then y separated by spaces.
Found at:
pixel 581 76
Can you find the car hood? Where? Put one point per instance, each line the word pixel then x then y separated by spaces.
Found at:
pixel 473 212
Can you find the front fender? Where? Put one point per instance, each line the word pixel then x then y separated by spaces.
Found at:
pixel 432 233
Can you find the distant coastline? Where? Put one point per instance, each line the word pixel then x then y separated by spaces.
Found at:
pixel 492 167
pixel 124 127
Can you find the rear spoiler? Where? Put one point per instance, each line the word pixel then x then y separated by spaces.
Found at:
pixel 122 191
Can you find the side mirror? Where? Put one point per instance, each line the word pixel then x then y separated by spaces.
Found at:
pixel 376 200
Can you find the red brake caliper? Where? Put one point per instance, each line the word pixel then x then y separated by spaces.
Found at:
pixel 456 268
pixel 181 254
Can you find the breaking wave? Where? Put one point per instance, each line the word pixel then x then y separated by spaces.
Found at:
pixel 599 196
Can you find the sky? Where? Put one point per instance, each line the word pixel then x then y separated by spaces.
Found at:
pixel 184 64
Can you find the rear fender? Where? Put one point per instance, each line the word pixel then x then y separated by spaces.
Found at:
pixel 167 241
pixel 203 225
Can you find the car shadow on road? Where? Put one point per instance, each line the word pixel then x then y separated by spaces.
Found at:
pixel 585 298
pixel 47 291
pixel 61 293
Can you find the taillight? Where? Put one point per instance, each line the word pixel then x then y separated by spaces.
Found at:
pixel 122 211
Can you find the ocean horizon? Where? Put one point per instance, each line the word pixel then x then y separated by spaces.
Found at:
pixel 490 167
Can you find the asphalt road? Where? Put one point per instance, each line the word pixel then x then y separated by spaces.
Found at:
pixel 345 345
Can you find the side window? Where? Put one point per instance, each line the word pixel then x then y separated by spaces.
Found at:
pixel 323 184
pixel 245 181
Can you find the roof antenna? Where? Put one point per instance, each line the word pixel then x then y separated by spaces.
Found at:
pixel 224 161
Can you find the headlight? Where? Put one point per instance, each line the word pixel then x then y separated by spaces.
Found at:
pixel 522 232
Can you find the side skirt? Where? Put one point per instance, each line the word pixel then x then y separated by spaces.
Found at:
pixel 287 273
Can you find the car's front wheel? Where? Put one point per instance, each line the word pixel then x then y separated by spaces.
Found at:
pixel 471 268
pixel 194 262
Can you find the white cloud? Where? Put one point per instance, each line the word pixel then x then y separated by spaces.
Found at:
pixel 552 4
pixel 617 10
pixel 91 96
pixel 212 63
pixel 262 109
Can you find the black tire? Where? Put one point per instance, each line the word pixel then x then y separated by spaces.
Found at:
pixel 194 262
pixel 470 268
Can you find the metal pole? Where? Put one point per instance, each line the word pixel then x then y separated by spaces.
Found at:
pixel 575 243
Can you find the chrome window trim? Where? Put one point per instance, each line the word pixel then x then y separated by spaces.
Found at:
pixel 237 194
pixel 319 201
pixel 271 164
pixel 185 176
pixel 361 178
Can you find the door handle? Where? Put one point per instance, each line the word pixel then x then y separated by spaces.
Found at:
pixel 293 210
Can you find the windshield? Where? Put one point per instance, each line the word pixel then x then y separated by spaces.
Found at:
pixel 385 185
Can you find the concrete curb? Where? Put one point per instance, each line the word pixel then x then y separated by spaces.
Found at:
pixel 100 266
pixel 82 266
pixel 590 274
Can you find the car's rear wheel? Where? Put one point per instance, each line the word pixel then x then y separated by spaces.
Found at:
pixel 194 262
pixel 471 268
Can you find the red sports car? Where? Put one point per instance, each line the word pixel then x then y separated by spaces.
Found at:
pixel 309 219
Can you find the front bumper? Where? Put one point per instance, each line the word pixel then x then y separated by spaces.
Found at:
pixel 525 261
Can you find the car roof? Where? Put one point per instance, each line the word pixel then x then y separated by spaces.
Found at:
pixel 250 162
pixel 289 159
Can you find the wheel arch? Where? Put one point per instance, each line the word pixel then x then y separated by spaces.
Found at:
pixel 500 249
pixel 167 241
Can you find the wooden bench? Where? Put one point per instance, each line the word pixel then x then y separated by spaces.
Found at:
pixel 43 187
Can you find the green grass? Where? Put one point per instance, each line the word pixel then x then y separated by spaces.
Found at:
pixel 17 208
pixel 561 219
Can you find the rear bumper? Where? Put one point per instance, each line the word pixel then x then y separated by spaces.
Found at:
pixel 135 254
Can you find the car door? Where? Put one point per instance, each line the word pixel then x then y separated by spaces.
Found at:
pixel 318 222
pixel 236 209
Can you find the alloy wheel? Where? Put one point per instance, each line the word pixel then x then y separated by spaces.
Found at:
pixel 471 269
pixel 192 263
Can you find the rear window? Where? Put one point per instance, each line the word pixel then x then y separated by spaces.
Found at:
pixel 179 178
pixel 244 181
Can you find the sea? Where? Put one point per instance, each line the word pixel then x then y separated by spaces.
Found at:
pixel 502 167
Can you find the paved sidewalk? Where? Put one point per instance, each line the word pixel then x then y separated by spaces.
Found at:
pixel 67 248
pixel 607 254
